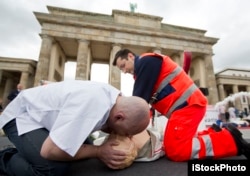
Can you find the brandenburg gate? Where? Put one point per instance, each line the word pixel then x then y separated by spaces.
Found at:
pixel 87 38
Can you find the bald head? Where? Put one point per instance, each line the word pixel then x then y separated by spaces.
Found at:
pixel 19 87
pixel 131 115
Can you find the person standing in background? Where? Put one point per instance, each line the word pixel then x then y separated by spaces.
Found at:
pixel 14 93
pixel 232 114
pixel 222 112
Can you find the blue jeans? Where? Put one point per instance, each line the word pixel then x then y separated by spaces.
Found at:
pixel 26 160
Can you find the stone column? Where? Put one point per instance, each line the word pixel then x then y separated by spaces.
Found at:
pixel 83 61
pixel 24 79
pixel 203 78
pixel 114 72
pixel 235 89
pixel 7 89
pixel 42 70
pixel 210 79
pixel 236 102
pixel 221 92
pixel 176 58
pixel 248 88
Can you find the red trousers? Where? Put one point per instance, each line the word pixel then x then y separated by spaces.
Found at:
pixel 183 143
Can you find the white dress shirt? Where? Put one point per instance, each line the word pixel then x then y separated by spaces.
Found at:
pixel 69 110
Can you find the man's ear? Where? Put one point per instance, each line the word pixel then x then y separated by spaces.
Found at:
pixel 119 117
pixel 131 56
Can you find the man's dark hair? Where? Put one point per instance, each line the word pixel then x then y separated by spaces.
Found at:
pixel 123 53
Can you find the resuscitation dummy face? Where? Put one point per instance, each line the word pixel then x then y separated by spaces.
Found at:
pixel 143 147
pixel 126 145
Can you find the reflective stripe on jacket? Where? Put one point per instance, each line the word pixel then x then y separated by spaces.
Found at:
pixel 174 89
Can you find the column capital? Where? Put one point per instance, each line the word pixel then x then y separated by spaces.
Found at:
pixel 83 41
pixel 176 54
pixel 117 44
pixel 157 50
pixel 45 36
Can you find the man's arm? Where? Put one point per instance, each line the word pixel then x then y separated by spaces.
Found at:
pixel 112 158
pixel 147 70
pixel 51 151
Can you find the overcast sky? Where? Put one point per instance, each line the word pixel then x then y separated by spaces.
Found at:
pixel 227 20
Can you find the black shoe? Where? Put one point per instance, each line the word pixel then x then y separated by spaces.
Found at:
pixel 242 145
pixel 215 127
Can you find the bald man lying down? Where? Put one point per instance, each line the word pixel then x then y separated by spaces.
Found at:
pixel 143 147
